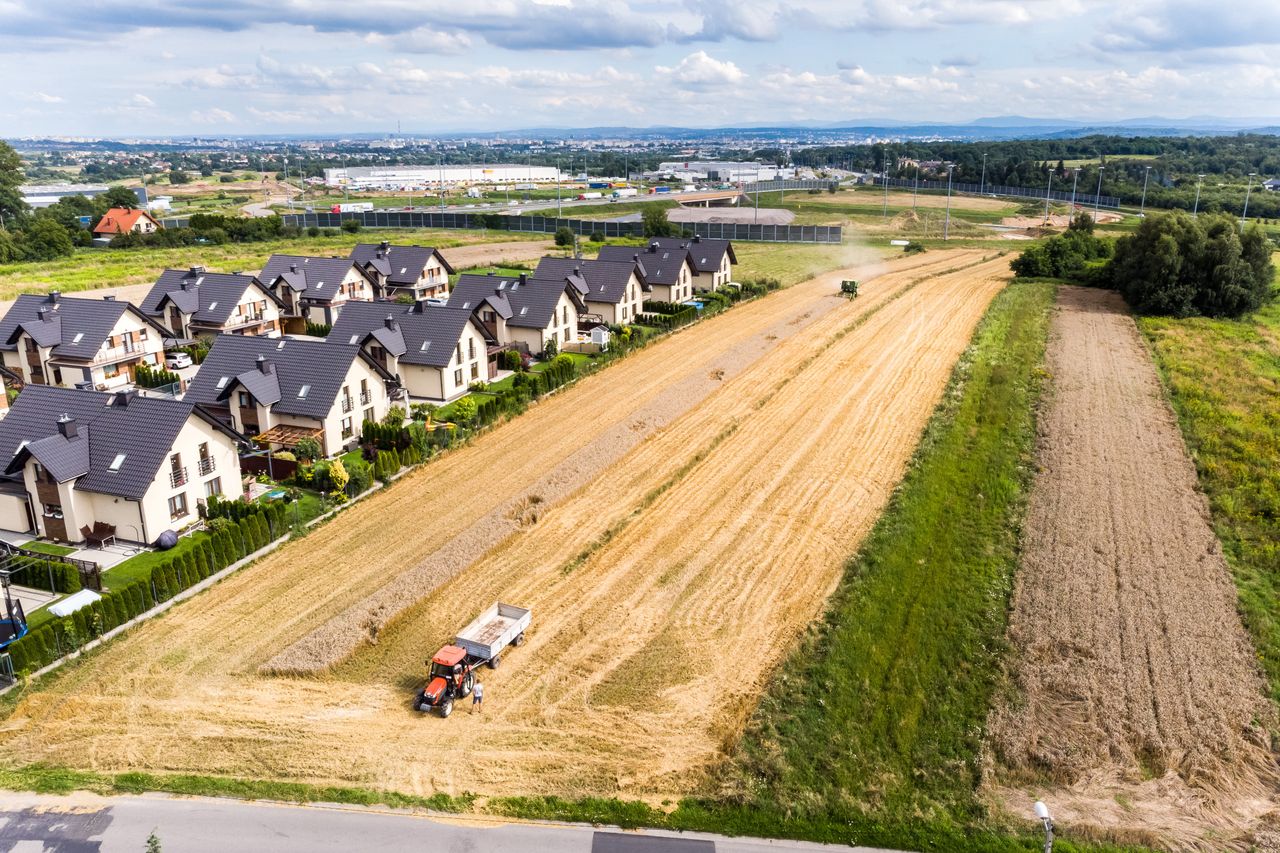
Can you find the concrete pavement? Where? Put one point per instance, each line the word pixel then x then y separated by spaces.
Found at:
pixel 87 823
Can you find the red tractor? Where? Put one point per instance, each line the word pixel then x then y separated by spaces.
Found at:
pixel 452 677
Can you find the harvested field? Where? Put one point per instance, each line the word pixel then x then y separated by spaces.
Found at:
pixel 697 501
pixel 1139 695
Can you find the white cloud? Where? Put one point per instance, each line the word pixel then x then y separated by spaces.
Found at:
pixel 45 98
pixel 213 115
pixel 700 71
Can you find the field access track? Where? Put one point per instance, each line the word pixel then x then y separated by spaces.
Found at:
pixel 694 507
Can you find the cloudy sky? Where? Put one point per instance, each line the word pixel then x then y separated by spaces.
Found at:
pixel 89 67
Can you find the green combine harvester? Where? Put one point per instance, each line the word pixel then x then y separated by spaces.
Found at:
pixel 849 288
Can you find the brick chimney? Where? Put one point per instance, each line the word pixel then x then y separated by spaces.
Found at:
pixel 122 398
pixel 392 323
pixel 265 366
pixel 54 296
pixel 67 426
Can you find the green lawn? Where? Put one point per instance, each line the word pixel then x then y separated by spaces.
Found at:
pixel 1223 378
pixel 48 548
pixel 88 269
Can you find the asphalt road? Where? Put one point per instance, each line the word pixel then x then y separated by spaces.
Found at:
pixel 84 823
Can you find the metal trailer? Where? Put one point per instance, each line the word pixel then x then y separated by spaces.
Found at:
pixel 492 631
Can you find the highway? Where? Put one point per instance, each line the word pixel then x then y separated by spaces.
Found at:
pixel 87 823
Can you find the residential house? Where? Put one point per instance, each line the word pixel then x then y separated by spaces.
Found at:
pixel 1272 185
pixel 668 270
pixel 523 312
pixel 121 220
pixel 196 302
pixel 615 290
pixel 139 464
pixel 78 343
pixel 420 272
pixel 316 289
pixel 434 351
pixel 280 391
pixel 712 259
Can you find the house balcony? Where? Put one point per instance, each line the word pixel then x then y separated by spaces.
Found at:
pixel 124 352
pixel 178 477
pixel 207 465
pixel 365 398
pixel 347 405
pixel 238 322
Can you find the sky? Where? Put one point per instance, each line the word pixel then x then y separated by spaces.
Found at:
pixel 173 67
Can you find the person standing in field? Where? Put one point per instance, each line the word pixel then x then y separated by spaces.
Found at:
pixel 477 698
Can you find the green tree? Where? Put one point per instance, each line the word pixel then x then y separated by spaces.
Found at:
pixel 564 236
pixel 655 221
pixel 308 448
pixel 338 474
pixel 464 410
pixel 350 225
pixel 45 240
pixel 179 176
pixel 10 251
pixel 120 197
pixel 13 207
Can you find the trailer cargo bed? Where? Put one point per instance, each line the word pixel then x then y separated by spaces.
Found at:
pixel 493 630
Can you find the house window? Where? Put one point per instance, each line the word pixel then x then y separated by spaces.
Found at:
pixel 177 506
pixel 53 510
pixel 564 314
pixel 457 376
pixel 475 371
pixel 368 414
pixel 459 350
pixel 347 428
pixel 244 400
pixel 213 487
pixel 472 346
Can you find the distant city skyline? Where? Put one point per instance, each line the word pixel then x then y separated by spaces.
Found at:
pixel 82 68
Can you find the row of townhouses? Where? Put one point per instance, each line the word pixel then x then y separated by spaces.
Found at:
pixel 85 448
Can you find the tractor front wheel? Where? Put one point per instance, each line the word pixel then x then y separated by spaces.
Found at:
pixel 446 708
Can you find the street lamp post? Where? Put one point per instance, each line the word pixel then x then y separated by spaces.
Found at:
pixel 756 219
pixel 1042 813
pixel 946 228
pixel 1245 214
pixel 1195 210
pixel 884 170
pixel 557 191
pixel 1048 192
pixel 1146 175
pixel 982 183
pixel 1075 178
pixel 1097 198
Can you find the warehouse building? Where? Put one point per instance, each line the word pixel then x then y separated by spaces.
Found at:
pixel 431 177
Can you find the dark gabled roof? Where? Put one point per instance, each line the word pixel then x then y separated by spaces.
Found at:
pixel 317 279
pixel 606 280
pixel 705 253
pixel 429 332
pixel 208 297
pixel 140 431
pixel 658 264
pixel 293 362
pixel 524 302
pixel 403 265
pixel 75 328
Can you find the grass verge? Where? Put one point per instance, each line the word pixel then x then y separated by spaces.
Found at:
pixel 44 779
pixel 1223 379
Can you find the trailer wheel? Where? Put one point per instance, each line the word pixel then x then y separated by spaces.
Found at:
pixel 519 641
pixel 493 662
pixel 446 708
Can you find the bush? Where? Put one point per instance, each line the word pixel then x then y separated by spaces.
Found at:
pixel 318 330
pixel 154 376
pixel 308 448
pixel 418 439
pixel 564 236
pixel 549 348
pixel 510 360
pixel 351 226
pixel 1178 265
pixel 394 417
pixel 359 477
pixel 913 247
pixel 313 231
pixel 597 237
pixel 464 410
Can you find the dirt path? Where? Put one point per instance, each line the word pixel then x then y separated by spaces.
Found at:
pixel 703 551
pixel 1133 664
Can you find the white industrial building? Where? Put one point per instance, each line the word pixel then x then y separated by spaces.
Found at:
pixel 721 170
pixel 424 177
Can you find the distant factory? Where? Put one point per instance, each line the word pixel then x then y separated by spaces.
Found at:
pixel 410 178
pixel 721 170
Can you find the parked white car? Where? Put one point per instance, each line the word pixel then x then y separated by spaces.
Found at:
pixel 177 360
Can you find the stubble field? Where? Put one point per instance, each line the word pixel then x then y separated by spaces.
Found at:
pixel 674 522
